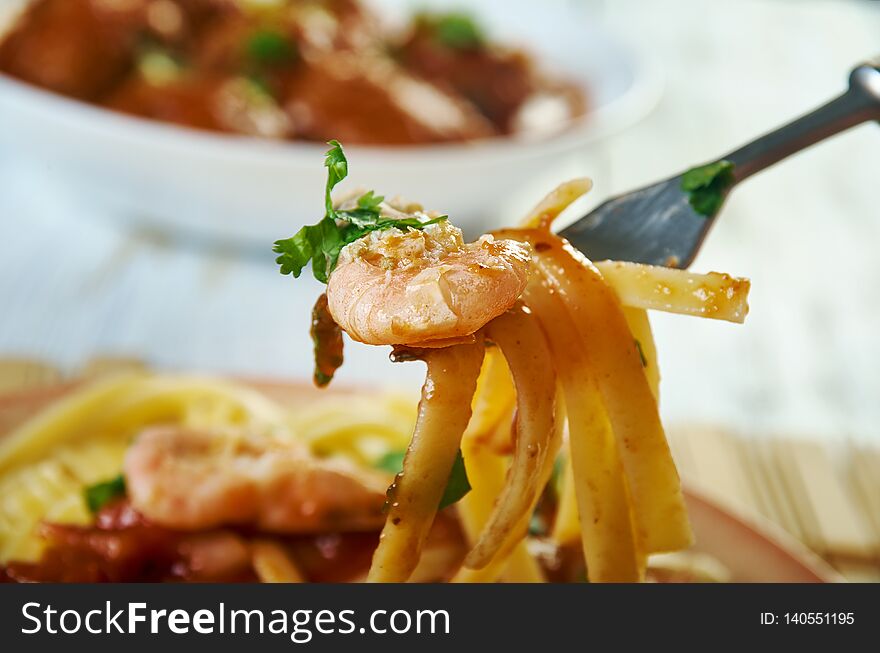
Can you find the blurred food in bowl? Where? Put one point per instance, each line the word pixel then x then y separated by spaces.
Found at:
pixel 288 69
pixel 247 191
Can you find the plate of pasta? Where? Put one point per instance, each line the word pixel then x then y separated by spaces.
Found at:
pixel 64 447
pixel 535 452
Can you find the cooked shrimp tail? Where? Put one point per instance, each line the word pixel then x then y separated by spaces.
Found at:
pixel 192 480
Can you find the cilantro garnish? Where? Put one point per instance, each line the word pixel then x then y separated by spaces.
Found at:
pixel 269 48
pixel 391 462
pixel 707 185
pixel 456 30
pixel 99 495
pixel 321 243
pixel 457 486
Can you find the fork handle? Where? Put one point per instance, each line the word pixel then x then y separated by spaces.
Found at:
pixel 860 103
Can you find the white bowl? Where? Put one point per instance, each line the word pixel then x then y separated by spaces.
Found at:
pixel 252 192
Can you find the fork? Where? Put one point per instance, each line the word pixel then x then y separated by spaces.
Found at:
pixel 665 223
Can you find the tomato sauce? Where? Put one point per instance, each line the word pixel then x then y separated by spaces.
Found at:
pixel 123 546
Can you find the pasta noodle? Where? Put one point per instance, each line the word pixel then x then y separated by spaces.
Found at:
pixel 368 428
pixel 640 327
pixel 603 506
pixel 414 498
pixel 713 295
pixel 485 442
pixel 124 404
pixel 566 528
pixel 494 403
pixel 524 346
pixel 273 564
pixel 660 514
pixel 513 559
pixel 559 199
pixel 487 472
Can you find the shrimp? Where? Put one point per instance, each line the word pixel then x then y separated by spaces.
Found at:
pixel 193 480
pixel 424 287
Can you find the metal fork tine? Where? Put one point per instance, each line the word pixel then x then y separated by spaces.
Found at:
pixel 658 225
pixel 654 225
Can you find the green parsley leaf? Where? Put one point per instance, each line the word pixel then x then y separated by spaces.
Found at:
pixel 337 170
pixel 702 176
pixel 458 484
pixel 321 243
pixel 327 242
pixel 369 201
pixel 537 526
pixel 391 462
pixel 99 495
pixel 708 185
pixel 269 48
pixel 295 252
pixel 457 30
pixel 371 221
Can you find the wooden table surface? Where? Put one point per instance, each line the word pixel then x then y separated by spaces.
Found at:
pixel 73 286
